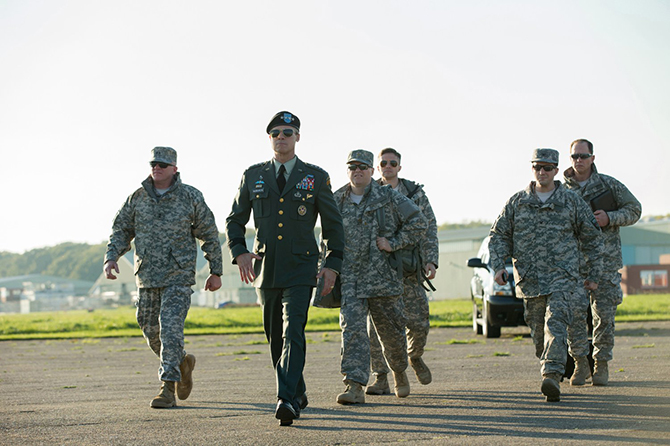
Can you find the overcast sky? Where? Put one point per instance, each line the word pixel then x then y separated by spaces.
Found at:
pixel 465 90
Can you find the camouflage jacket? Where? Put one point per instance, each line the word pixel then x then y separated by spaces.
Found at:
pixel 285 224
pixel 628 211
pixel 365 267
pixel 165 229
pixel 429 243
pixel 544 241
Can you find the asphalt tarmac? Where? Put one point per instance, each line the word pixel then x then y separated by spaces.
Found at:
pixel 97 392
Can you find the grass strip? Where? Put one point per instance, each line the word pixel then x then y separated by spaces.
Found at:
pixel 120 322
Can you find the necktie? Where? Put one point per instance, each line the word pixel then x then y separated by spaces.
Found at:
pixel 281 179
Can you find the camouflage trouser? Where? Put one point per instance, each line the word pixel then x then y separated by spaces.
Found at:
pixel 578 330
pixel 388 317
pixel 604 301
pixel 161 313
pixel 418 324
pixel 548 318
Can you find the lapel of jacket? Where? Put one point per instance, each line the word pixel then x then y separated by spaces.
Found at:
pixel 268 172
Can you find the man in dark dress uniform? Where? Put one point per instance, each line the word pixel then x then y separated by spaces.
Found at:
pixel 286 196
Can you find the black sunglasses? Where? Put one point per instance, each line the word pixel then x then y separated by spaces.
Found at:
pixel 353 167
pixel 393 163
pixel 547 168
pixel 583 156
pixel 287 133
pixel 161 165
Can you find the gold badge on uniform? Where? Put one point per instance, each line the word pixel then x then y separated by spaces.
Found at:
pixel 302 210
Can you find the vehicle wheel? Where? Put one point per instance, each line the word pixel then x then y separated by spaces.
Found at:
pixel 475 325
pixel 488 330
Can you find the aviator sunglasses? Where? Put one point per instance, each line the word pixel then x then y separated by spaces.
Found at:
pixel 393 163
pixel 287 133
pixel 353 167
pixel 161 165
pixel 583 156
pixel 538 168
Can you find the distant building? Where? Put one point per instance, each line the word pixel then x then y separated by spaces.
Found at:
pixel 232 290
pixel 453 275
pixel 643 279
pixel 121 291
pixel 36 292
pixel 646 257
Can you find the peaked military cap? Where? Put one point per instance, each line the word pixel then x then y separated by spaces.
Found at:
pixel 284 118
pixel 164 155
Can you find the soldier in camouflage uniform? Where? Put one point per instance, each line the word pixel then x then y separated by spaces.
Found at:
pixel 165 217
pixel 542 229
pixel 414 294
pixel 584 179
pixel 370 286
pixel 286 196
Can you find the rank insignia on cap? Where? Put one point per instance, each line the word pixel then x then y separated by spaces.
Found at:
pixel 288 118
pixel 302 210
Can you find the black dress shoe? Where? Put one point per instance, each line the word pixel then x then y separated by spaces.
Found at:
pixel 302 401
pixel 285 413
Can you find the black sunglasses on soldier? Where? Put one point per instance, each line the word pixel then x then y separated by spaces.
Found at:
pixel 393 163
pixel 287 133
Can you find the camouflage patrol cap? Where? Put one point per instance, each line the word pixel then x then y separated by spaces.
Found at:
pixel 545 156
pixel 164 155
pixel 284 118
pixel 361 156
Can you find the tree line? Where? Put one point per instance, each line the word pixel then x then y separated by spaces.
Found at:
pixel 79 261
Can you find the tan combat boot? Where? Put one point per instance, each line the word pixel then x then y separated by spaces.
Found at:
pixel 601 373
pixel 421 370
pixel 401 384
pixel 166 396
pixel 186 385
pixel 582 371
pixel 353 394
pixel 551 387
pixel 380 386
